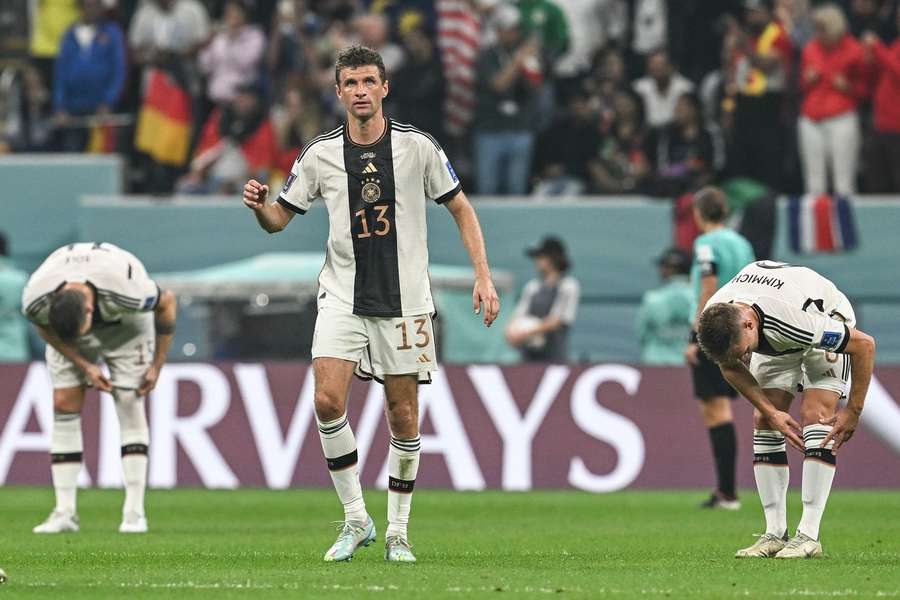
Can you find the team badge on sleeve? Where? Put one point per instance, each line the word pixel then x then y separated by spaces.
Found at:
pixel 452 172
pixel 288 182
pixel 831 339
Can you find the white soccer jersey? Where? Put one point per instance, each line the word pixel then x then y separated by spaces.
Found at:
pixel 798 309
pixel 119 278
pixel 377 253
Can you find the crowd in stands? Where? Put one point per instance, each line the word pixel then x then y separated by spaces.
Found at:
pixel 543 97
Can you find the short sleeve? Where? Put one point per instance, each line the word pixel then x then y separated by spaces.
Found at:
pixel 441 182
pixel 302 184
pixel 524 302
pixel 706 260
pixel 788 328
pixel 139 285
pixel 566 304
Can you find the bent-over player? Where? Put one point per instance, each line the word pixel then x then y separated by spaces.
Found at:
pixel 375 305
pixel 775 330
pixel 93 302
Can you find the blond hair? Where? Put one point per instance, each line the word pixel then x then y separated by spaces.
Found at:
pixel 831 18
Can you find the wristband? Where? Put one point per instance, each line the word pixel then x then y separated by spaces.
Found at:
pixel 165 328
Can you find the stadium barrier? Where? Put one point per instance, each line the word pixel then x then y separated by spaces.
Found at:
pixel 600 428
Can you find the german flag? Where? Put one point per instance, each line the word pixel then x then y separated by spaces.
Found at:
pixel 102 139
pixel 164 122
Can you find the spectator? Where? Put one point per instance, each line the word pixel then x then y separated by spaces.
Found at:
pixel 165 36
pixel 833 81
pixel 296 119
pixel 417 90
pixel 648 29
pixel 237 144
pixel 663 321
pixel 89 74
pixel 49 20
pixel 565 150
pixel 27 119
pixel 13 326
pixel 882 173
pixel 373 31
pixel 682 154
pixel 620 165
pixel 760 71
pixel 234 54
pixel 546 311
pixel 592 25
pixel 661 88
pixel 291 57
pixel 509 77
pixel 876 16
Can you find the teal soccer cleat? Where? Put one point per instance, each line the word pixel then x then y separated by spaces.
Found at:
pixel 397 549
pixel 352 535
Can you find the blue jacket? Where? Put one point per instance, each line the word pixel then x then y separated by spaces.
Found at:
pixel 86 78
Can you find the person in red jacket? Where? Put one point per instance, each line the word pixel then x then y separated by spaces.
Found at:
pixel 882 172
pixel 833 79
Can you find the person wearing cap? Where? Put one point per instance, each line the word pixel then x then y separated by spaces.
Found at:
pixel 13 327
pixel 546 311
pixel 664 318
pixel 719 254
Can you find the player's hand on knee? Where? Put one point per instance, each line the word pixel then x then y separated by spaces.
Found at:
pixel 786 424
pixel 843 426
pixel 97 378
pixel 255 194
pixel 691 354
pixel 149 382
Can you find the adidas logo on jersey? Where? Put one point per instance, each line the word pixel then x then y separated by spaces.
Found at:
pixel 370 168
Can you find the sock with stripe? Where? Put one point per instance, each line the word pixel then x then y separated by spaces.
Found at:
pixel 818 473
pixel 724 445
pixel 339 446
pixel 65 457
pixel 403 465
pixel 135 437
pixel 770 469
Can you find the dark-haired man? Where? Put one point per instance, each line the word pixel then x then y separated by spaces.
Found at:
pixel 777 329
pixel 92 302
pixel 719 253
pixel 375 304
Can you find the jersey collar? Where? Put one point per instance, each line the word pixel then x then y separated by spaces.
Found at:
pixel 349 140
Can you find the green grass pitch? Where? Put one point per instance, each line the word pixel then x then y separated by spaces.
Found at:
pixel 257 543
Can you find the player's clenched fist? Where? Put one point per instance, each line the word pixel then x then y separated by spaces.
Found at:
pixel 255 194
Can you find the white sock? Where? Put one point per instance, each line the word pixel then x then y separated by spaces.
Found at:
pixel 65 456
pixel 403 465
pixel 770 468
pixel 135 437
pixel 818 473
pixel 339 447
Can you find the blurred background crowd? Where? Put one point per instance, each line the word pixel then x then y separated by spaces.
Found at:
pixel 541 97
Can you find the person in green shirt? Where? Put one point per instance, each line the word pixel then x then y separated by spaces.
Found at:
pixel 719 253
pixel 545 20
pixel 664 318
pixel 13 326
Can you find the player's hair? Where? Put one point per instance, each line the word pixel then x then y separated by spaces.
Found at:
pixel 719 328
pixel 67 314
pixel 712 204
pixel 358 56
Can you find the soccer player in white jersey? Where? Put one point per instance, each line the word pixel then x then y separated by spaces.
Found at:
pixel 93 302
pixel 375 177
pixel 775 330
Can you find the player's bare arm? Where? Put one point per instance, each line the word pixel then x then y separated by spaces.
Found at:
pixel 861 349
pixel 484 295
pixel 271 216
pixel 91 370
pixel 164 323
pixel 708 286
pixel 739 376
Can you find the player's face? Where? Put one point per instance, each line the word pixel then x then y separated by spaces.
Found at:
pixel 362 91
pixel 743 349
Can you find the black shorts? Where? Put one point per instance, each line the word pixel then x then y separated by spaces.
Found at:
pixel 708 380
